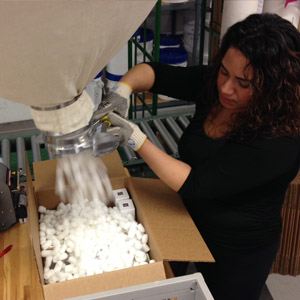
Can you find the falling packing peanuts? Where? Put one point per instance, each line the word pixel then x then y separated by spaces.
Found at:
pixel 173 235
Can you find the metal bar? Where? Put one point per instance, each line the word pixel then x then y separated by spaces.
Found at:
pixel 5 151
pixel 143 100
pixel 188 287
pixel 156 48
pixel 129 153
pixel 129 67
pixel 196 31
pixel 150 134
pixel 184 121
pixel 210 30
pixel 168 139
pixel 143 50
pixel 36 150
pixel 20 142
pixel 173 21
pixel 202 31
pixel 174 128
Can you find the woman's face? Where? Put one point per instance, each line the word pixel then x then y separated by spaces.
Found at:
pixel 233 81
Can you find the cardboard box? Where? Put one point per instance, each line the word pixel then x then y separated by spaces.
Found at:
pixel 172 234
pixel 217 15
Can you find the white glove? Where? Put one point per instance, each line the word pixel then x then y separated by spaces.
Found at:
pixel 117 100
pixel 127 132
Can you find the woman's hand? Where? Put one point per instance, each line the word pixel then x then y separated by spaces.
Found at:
pixel 171 171
pixel 117 100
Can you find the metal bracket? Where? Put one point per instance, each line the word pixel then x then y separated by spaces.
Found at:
pixel 7 211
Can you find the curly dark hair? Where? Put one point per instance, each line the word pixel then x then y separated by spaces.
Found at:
pixel 272 46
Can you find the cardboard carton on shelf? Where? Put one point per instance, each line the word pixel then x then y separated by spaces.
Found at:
pixel 172 234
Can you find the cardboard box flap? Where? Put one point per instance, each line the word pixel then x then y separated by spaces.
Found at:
pixel 33 222
pixel 45 171
pixel 106 281
pixel 176 236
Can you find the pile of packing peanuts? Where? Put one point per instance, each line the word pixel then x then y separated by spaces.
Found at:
pixel 86 237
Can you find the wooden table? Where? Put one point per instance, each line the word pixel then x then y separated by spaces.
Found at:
pixel 19 277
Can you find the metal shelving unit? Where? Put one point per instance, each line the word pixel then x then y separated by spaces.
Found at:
pixel 134 44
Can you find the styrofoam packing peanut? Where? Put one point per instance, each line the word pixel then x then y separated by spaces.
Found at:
pixel 132 251
pixel 75 270
pixel 63 256
pixel 56 251
pixel 56 242
pixel 48 261
pixel 61 206
pixel 47 244
pixel 48 274
pixel 59 227
pixel 50 236
pixel 132 231
pixel 49 212
pixel 144 239
pixel 70 244
pixel 56 257
pixel 138 235
pixel 68 268
pixel 61 276
pixel 72 260
pixel 58 266
pixel 42 234
pixel 62 235
pixel 69 276
pixel 43 227
pixel 45 253
pixel 138 245
pixel 130 217
pixel 140 256
pixel 50 280
pixel 151 261
pixel 69 250
pixel 50 231
pixel 46 221
pixel 42 209
pixel 130 242
pixel 141 228
pixel 63 248
pixel 145 248
pixel 59 212
pixel 77 252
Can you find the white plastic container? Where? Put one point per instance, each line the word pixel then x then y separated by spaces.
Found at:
pixel 94 89
pixel 291 12
pixel 149 45
pixel 169 41
pixel 188 36
pixel 175 57
pixel 118 65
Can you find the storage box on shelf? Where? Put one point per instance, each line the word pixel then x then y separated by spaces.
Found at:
pixel 172 234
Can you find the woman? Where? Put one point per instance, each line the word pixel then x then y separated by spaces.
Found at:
pixel 240 151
